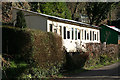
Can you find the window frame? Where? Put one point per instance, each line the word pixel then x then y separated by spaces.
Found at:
pixel 51 27
pixel 64 30
pixel 85 35
pixel 72 33
pixel 75 33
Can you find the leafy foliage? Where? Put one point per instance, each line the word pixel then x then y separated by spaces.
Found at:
pixel 100 55
pixel 6 12
pixel 76 8
pixel 7 9
pixel 9 72
pixel 42 52
pixel 97 11
pixel 58 9
pixel 20 22
pixel 34 6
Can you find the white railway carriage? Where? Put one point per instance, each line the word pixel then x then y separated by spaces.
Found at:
pixel 74 34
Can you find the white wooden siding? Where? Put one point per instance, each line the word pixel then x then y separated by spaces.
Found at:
pixel 72 44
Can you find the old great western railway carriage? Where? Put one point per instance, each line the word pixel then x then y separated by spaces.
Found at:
pixel 74 34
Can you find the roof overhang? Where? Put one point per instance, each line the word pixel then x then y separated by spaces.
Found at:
pixel 114 28
pixel 60 19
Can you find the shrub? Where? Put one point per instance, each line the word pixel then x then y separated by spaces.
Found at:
pixel 20 21
pixel 76 61
pixel 41 50
pixel 16 42
pixel 101 54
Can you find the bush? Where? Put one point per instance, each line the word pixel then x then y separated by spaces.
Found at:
pixel 41 50
pixel 76 61
pixel 102 55
pixel 16 42
pixel 47 48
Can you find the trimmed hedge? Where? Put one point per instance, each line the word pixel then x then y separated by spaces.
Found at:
pixel 17 42
pixel 42 50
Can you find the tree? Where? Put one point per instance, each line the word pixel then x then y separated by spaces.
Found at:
pixel 98 11
pixel 34 6
pixel 76 9
pixel 58 9
pixel 7 9
pixel 6 12
pixel 20 21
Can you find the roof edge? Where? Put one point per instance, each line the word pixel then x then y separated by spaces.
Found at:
pixel 114 28
pixel 54 17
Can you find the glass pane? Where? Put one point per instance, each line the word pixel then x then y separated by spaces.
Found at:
pixel 64 32
pixel 75 33
pixel 68 34
pixel 90 35
pixel 85 34
pixel 82 34
pixel 60 30
pixel 72 33
pixel 50 27
pixel 97 36
pixel 79 35
pixel 55 30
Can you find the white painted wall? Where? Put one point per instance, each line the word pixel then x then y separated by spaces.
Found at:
pixel 72 45
pixel 39 22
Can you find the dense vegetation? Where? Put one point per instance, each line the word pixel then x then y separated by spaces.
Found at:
pixel 20 21
pixel 31 53
pixel 58 9
pixel 97 12
pixel 37 54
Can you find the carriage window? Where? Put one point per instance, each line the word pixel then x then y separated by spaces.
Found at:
pixel 75 33
pixel 82 34
pixel 68 34
pixel 90 35
pixel 79 35
pixel 97 36
pixel 55 30
pixel 64 32
pixel 93 35
pixel 85 34
pixel 50 26
pixel 60 30
pixel 72 33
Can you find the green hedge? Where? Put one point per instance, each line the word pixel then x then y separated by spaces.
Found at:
pixel 17 42
pixel 41 50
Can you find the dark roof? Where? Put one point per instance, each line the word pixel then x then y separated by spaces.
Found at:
pixel 113 28
pixel 60 19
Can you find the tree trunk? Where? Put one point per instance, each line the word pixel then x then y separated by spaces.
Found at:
pixel 73 15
